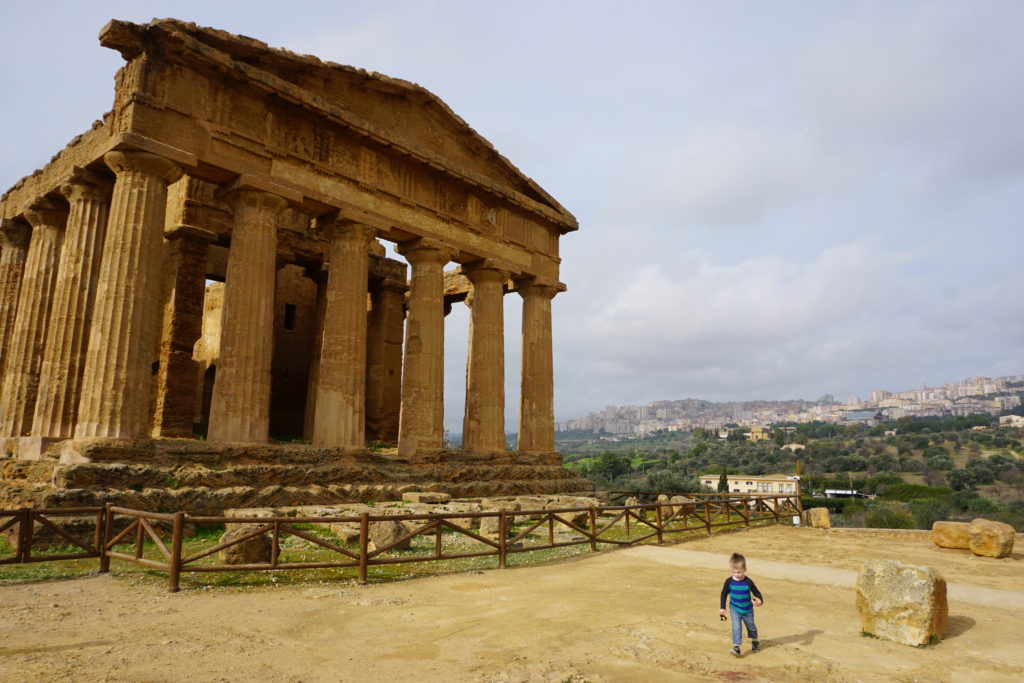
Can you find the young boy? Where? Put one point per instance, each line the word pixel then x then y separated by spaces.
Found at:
pixel 743 597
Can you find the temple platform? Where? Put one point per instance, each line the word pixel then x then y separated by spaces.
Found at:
pixel 168 475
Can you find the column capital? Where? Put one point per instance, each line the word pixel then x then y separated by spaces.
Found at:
pixel 485 271
pixel 47 213
pixel 245 197
pixel 335 228
pixel 535 287
pixel 425 251
pixel 190 233
pixel 82 183
pixel 14 233
pixel 122 160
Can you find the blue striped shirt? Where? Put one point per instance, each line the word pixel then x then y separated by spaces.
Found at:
pixel 739 594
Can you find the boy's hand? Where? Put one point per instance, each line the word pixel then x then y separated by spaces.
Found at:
pixel 757 602
pixel 721 613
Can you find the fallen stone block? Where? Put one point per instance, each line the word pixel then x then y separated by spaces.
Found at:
pixel 991 539
pixel 901 602
pixel 255 550
pixel 951 534
pixel 383 534
pixel 425 497
pixel 818 518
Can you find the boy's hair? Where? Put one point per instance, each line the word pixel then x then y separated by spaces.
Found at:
pixel 737 560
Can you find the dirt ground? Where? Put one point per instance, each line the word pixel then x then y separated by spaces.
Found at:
pixel 640 614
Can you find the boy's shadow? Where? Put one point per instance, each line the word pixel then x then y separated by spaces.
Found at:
pixel 806 638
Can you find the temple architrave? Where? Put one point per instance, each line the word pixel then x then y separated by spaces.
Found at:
pixel 196 296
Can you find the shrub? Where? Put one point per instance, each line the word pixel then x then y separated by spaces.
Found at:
pixel 888 516
pixel 911 491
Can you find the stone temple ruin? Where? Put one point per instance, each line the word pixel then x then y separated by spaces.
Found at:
pixel 205 262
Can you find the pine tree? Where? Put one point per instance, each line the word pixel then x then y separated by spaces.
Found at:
pixel 723 482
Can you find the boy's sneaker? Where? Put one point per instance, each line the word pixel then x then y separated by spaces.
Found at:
pixel 735 651
pixel 755 646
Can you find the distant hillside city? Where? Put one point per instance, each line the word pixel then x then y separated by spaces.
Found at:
pixel 964 397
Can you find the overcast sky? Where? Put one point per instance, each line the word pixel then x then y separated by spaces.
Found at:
pixel 776 199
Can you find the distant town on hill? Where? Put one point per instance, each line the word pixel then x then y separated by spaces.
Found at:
pixel 960 398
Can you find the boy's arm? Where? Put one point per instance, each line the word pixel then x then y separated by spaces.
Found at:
pixel 725 594
pixel 753 589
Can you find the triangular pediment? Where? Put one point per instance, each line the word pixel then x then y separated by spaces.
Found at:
pixel 403 114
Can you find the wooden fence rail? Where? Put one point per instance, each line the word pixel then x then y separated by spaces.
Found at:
pixel 588 526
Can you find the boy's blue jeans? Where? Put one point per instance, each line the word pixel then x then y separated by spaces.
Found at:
pixel 737 626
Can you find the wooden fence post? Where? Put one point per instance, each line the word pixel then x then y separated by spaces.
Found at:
pixel 23 551
pixel 108 526
pixel 364 543
pixel 502 537
pixel 174 571
pixel 98 538
pixel 707 515
pixel 592 514
pixel 658 521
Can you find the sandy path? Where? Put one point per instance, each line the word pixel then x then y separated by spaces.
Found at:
pixel 642 614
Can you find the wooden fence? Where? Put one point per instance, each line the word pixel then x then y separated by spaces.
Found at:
pixel 592 526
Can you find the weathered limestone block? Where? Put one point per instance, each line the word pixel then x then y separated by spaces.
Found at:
pixel 951 534
pixel 383 534
pixel 456 508
pixel 818 518
pixel 490 527
pixel 901 602
pixel 425 497
pixel 580 519
pixel 991 539
pixel 251 551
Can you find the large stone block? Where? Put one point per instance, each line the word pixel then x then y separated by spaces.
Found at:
pixel 951 534
pixel 818 518
pixel 991 539
pixel 383 534
pixel 254 550
pixel 425 497
pixel 901 602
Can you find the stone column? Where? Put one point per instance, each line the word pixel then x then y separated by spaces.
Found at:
pixel 241 393
pixel 116 380
pixel 384 360
pixel 483 428
pixel 74 295
pixel 421 423
pixel 14 238
pixel 28 337
pixel 319 276
pixel 537 394
pixel 178 375
pixel 341 380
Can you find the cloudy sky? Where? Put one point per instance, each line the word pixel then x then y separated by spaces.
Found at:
pixel 776 199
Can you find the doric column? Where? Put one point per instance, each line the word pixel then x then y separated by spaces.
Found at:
pixel 178 375
pixel 241 392
pixel 341 381
pixel 537 393
pixel 483 428
pixel 116 379
pixel 67 333
pixel 14 237
pixel 28 337
pixel 384 360
pixel 318 276
pixel 421 423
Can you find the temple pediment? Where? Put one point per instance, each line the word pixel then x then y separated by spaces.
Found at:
pixel 391 114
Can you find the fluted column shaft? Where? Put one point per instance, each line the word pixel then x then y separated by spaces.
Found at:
pixel 28 337
pixel 74 293
pixel 14 238
pixel 241 394
pixel 341 382
pixel 537 393
pixel 117 376
pixel 319 276
pixel 421 422
pixel 483 428
pixel 178 376
pixel 385 326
